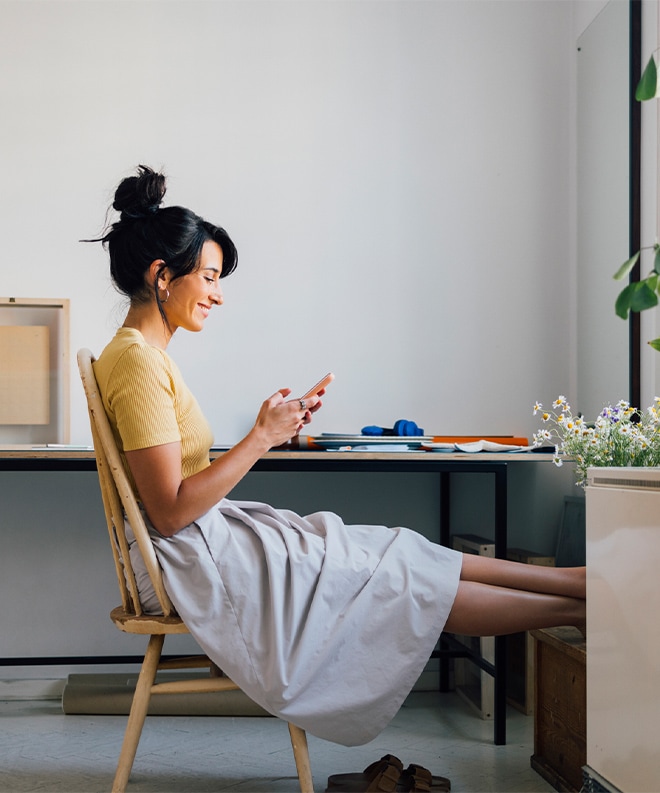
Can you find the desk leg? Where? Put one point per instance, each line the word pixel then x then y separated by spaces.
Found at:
pixel 444 540
pixel 500 641
pixel 500 660
pixel 499 716
pixel 445 511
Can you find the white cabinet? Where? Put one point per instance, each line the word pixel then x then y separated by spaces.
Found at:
pixel 623 628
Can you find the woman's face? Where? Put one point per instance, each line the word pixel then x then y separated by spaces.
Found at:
pixel 192 296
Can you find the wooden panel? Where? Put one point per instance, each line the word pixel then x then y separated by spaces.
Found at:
pixel 26 313
pixel 560 729
pixel 24 374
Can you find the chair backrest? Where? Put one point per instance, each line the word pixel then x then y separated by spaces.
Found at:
pixel 119 500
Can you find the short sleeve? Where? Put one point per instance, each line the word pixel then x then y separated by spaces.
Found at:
pixel 142 399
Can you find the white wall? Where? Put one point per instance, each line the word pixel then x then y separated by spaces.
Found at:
pixel 396 176
pixel 602 212
pixel 584 13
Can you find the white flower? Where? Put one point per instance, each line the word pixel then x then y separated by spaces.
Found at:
pixel 557 458
pixel 621 435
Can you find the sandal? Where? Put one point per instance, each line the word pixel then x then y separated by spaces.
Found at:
pixel 382 775
pixel 387 776
pixel 417 779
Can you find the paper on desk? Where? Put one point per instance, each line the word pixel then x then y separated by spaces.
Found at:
pixel 475 446
pixel 61 447
pixel 380 447
pixel 490 446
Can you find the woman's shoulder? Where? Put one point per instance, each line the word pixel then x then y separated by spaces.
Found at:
pixel 130 344
pixel 129 352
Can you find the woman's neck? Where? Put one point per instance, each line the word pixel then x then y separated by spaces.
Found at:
pixel 148 320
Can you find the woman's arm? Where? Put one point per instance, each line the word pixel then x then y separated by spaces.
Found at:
pixel 172 502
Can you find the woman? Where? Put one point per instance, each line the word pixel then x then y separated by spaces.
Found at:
pixel 325 625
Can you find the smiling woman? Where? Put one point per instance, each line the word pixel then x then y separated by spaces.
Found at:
pixel 153 248
pixel 187 299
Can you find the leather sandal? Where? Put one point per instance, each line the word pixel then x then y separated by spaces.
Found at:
pixel 381 776
pixel 417 779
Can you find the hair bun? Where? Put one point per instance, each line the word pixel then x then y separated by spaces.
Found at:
pixel 140 196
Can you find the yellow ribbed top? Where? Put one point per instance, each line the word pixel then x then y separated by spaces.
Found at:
pixel 148 403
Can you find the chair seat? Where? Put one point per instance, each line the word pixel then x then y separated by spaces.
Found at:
pixel 147 624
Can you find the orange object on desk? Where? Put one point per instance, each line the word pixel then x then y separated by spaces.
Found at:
pixel 510 440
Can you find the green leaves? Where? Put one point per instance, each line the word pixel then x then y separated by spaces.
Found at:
pixel 647 86
pixel 637 296
pixel 642 294
pixel 626 267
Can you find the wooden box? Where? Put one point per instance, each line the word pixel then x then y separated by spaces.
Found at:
pixel 529 557
pixel 560 712
pixel 473 543
pixel 473 684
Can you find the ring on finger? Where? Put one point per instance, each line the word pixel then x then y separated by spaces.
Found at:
pixel 303 404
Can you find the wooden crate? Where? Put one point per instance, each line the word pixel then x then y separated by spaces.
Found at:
pixel 560 713
pixel 529 557
pixel 520 672
pixel 474 685
pixel 473 543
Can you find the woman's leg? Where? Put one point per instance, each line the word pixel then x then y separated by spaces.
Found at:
pixel 496 597
pixel 485 610
pixel 568 581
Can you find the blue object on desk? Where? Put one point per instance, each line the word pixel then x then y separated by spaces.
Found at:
pixel 402 427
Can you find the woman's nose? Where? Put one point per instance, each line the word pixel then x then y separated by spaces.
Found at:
pixel 217 296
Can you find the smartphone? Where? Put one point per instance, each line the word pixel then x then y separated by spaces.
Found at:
pixel 322 383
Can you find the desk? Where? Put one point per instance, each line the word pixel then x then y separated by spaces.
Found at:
pixel 444 464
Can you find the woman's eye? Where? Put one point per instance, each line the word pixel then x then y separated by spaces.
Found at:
pixel 210 280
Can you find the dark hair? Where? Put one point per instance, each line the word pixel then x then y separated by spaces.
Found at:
pixel 146 232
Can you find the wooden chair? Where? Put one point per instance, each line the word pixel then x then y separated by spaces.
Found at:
pixel 119 500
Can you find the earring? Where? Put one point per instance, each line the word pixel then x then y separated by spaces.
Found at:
pixel 167 296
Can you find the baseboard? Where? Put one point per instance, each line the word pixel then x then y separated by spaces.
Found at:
pixel 31 688
pixel 112 694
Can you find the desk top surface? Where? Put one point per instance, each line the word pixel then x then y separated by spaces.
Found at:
pixel 29 452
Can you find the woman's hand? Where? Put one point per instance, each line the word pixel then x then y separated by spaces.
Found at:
pixel 280 419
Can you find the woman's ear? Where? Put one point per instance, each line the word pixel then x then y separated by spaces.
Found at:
pixel 159 274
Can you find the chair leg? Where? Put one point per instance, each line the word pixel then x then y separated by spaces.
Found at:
pixel 138 713
pixel 301 755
